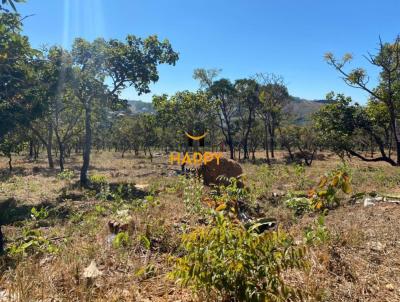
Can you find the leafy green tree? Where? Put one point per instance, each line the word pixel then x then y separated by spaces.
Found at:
pixel 130 63
pixel 183 112
pixel 301 142
pixel 19 96
pixel 341 123
pixel 255 137
pixel 12 142
pixel 388 90
pixel 63 110
pixel 150 136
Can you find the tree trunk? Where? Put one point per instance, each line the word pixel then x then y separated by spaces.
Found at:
pixel 49 146
pixel 266 143
pixel 31 149
pixel 87 145
pixel 272 145
pixel 10 167
pixel 151 155
pixel 62 156
pixel 231 149
pixel 36 149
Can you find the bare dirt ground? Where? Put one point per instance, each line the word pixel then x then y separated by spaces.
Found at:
pixel 358 263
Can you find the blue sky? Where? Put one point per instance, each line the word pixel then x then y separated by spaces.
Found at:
pixel 242 37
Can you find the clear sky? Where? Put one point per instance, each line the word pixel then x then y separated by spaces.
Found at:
pixel 242 37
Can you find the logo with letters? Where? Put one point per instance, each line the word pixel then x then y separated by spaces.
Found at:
pixel 196 158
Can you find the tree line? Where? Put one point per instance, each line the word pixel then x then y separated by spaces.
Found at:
pixel 63 101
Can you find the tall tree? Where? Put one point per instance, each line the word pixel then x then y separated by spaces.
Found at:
pixel 224 97
pixel 19 101
pixel 62 109
pixel 388 91
pixel 130 63
pixel 247 93
pixel 273 98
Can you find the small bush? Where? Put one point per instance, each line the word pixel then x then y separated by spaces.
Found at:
pixel 325 194
pixel 237 264
pixel 121 240
pixel 230 198
pixel 300 205
pixel 39 214
pixel 192 191
pixel 317 233
pixel 66 175
pixel 32 242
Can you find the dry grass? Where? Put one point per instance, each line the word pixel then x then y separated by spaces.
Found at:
pixel 359 263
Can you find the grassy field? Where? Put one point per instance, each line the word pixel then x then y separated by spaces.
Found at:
pixel 51 247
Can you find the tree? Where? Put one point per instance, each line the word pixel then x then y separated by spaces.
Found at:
pixel 183 112
pixel 340 124
pixel 12 142
pixel 19 94
pixel 130 63
pixel 273 98
pixel 63 110
pixel 255 137
pixel 206 77
pixel 247 91
pixel 224 97
pixel 11 3
pixel 387 92
pixel 300 142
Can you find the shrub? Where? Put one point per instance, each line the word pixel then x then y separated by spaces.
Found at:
pixel 121 240
pixel 237 264
pixel 300 205
pixel 32 242
pixel 192 191
pixel 66 175
pixel 98 181
pixel 317 233
pixel 39 214
pixel 325 194
pixel 231 197
pixel 300 173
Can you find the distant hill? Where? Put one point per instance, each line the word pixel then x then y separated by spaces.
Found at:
pixel 140 107
pixel 299 109
pixel 302 109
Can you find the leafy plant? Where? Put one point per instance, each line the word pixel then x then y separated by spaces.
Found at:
pixel 66 175
pixel 228 197
pixel 324 196
pixel 39 215
pixel 145 241
pixel 32 242
pixel 300 173
pixel 121 239
pixel 236 264
pixel 300 205
pixel 317 233
pixel 192 191
pixel 98 179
